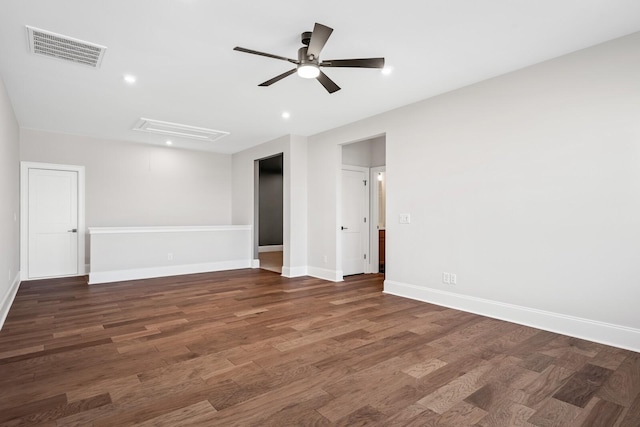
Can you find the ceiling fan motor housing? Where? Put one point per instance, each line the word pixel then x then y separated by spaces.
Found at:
pixel 303 58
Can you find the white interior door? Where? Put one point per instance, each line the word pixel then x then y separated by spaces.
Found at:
pixel 52 223
pixel 355 224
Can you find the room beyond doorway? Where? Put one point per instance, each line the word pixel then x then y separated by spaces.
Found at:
pixel 270 212
pixel 368 250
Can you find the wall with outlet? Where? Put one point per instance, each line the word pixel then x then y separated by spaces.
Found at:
pixel 525 186
pixel 9 203
pixel 131 253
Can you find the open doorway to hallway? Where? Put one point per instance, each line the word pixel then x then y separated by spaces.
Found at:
pixel 270 212
pixel 362 232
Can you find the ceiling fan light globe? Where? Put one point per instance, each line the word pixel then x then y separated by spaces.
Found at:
pixel 308 71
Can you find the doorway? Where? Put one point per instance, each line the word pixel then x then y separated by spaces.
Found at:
pixel 270 212
pixel 369 157
pixel 51 221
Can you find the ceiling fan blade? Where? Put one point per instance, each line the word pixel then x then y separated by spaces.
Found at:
pixel 358 63
pixel 328 84
pixel 278 78
pixel 268 55
pixel 319 38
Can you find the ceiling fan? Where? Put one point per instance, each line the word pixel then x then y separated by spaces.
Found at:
pixel 308 63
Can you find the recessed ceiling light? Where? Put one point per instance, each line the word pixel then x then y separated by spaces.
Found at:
pixel 130 78
pixel 386 71
pixel 286 115
pixel 169 142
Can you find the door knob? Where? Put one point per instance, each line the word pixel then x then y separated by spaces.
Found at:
pixel 73 230
pixel 344 228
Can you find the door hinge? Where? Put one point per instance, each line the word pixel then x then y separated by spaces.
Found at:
pixel 365 182
pixel 365 256
pixel 365 219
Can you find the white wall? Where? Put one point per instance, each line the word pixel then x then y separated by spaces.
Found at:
pixel 243 177
pixel 527 186
pixel 367 153
pixel 132 253
pixel 131 184
pixel 9 203
pixel 297 189
pixel 294 149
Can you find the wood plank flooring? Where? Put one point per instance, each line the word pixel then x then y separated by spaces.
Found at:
pixel 249 347
pixel 271 261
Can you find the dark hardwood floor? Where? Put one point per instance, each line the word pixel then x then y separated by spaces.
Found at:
pixel 249 347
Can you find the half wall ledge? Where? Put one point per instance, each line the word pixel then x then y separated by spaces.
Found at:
pixel 132 253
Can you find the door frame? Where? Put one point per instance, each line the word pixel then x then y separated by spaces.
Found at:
pixel 375 217
pixel 367 211
pixel 24 213
pixel 256 212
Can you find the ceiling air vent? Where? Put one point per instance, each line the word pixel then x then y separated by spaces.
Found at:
pixel 54 45
pixel 178 130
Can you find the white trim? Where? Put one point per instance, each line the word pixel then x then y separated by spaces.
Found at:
pixel 255 263
pixel 294 271
pixel 7 299
pixel 375 218
pixel 323 273
pixel 24 213
pixel 171 270
pixel 166 229
pixel 256 208
pixel 271 248
pixel 592 330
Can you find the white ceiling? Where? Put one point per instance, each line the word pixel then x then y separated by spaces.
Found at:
pixel 181 52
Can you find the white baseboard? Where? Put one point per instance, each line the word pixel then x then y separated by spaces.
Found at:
pixel 323 273
pixel 592 330
pixel 172 270
pixel 255 263
pixel 294 271
pixel 271 248
pixel 7 299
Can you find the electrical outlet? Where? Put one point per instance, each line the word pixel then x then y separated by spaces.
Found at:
pixel 446 277
pixel 453 279
pixel 405 219
pixel 324 259
pixel 169 256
